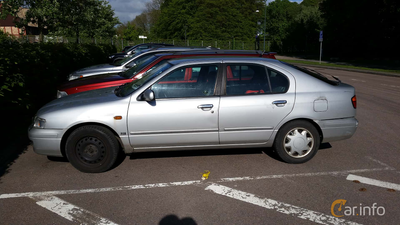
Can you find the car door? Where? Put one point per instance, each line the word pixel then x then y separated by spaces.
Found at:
pixel 184 112
pixel 256 100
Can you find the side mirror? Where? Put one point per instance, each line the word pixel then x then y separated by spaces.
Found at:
pixel 148 95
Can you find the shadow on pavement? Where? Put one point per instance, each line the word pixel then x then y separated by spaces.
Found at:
pixel 10 152
pixel 174 220
pixel 194 153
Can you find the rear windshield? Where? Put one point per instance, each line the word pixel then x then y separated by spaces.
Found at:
pixel 328 79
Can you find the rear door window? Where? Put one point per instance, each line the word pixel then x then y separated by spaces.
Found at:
pixel 246 80
pixel 279 82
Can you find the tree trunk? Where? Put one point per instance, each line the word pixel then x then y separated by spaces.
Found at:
pixel 41 36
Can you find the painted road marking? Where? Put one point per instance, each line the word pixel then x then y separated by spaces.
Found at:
pixel 333 173
pixel 281 207
pixel 379 162
pixel 185 183
pixel 374 182
pixel 98 190
pixel 69 211
pixel 359 80
pixel 391 85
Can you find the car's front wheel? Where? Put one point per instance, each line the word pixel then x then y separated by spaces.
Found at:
pixel 92 149
pixel 297 142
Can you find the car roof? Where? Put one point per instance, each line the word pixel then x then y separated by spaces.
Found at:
pixel 177 48
pixel 219 58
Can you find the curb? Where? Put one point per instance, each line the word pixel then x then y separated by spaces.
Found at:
pixel 352 70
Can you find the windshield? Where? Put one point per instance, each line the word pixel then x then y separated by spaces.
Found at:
pixel 139 64
pixel 128 88
pixel 122 62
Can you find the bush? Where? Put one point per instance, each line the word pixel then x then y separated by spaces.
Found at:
pixel 30 73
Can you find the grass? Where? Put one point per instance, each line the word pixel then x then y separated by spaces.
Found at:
pixel 340 66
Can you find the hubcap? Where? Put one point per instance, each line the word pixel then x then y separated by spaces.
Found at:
pixel 90 150
pixel 298 142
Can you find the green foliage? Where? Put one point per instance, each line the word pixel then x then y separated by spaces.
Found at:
pixel 280 18
pixel 360 27
pixel 208 19
pixel 131 32
pixel 88 18
pixel 30 73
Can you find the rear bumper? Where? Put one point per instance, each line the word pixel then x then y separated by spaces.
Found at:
pixel 46 141
pixel 337 129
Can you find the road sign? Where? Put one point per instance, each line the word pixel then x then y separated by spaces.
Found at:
pixel 321 36
pixel 142 37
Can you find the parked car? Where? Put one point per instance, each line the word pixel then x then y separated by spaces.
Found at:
pixel 116 57
pixel 126 48
pixel 227 103
pixel 126 63
pixel 110 80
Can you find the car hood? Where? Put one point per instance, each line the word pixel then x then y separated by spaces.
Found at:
pixel 101 67
pixel 90 80
pixel 87 99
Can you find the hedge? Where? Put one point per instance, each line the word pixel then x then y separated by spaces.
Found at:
pixel 30 74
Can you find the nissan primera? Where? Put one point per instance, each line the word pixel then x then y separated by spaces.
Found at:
pixel 199 103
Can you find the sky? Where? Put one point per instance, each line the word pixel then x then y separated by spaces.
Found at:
pixel 127 10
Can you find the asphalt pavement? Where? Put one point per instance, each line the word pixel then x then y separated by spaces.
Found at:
pixel 360 175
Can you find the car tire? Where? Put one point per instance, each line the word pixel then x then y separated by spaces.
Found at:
pixel 92 149
pixel 297 142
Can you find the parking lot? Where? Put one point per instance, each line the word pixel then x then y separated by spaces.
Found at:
pixel 244 186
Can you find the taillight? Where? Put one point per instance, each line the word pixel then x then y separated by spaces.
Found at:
pixel 354 101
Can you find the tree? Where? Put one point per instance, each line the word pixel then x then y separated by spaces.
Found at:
pixel 280 18
pixel 359 27
pixel 43 13
pixel 88 17
pixel 131 32
pixel 208 19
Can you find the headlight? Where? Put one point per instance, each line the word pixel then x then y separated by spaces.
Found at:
pixel 61 94
pixel 39 122
pixel 111 56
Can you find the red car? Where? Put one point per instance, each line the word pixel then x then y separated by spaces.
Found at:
pixel 104 81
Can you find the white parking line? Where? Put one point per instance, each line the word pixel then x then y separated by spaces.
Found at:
pixel 332 173
pixel 97 190
pixel 184 183
pixel 277 206
pixel 69 211
pixel 379 162
pixel 359 80
pixel 373 182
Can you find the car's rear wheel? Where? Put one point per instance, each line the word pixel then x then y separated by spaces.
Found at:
pixel 297 142
pixel 92 149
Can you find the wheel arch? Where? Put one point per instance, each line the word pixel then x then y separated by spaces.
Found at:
pixel 76 126
pixel 321 135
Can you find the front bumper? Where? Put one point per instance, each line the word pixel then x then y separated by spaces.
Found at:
pixel 337 129
pixel 46 141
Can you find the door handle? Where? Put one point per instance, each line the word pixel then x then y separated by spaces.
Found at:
pixel 205 107
pixel 279 103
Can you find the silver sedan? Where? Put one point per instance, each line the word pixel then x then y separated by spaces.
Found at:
pixel 199 103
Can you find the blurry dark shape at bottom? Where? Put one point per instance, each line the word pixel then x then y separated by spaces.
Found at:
pixel 174 220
